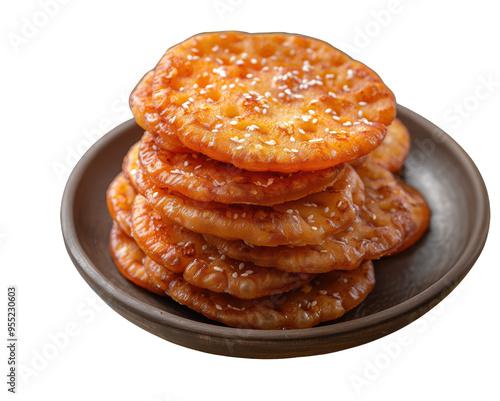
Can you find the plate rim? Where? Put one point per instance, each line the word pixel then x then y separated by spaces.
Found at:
pixel 421 302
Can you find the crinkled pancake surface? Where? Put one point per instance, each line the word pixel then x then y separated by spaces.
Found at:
pixel 141 104
pixel 120 198
pixel 204 179
pixel 129 259
pixel 183 251
pixel 394 149
pixel 386 218
pixel 301 222
pixel 130 164
pixel 327 297
pixel 271 102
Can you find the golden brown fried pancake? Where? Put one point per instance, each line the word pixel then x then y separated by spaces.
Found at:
pixel 385 220
pixel 305 221
pixel 327 297
pixel 146 116
pixel 271 102
pixel 420 215
pixel 394 149
pixel 183 251
pixel 204 179
pixel 129 258
pixel 120 197
pixel 130 164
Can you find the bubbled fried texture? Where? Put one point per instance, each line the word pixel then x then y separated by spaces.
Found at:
pixel 327 297
pixel 130 164
pixel 129 259
pixel 141 104
pixel 420 215
pixel 182 251
pixel 385 219
pixel 394 149
pixel 300 222
pixel 271 102
pixel 204 179
pixel 120 198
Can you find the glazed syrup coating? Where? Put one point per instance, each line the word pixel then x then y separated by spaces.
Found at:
pixel 327 297
pixel 271 102
pixel 386 217
pixel 204 179
pixel 299 222
pixel 183 251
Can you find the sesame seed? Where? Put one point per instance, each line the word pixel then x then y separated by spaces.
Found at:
pixel 258 146
pixel 323 251
pixel 360 113
pixel 155 194
pixel 217 268
pixel 301 131
pixel 347 124
pixel 289 211
pixel 346 88
pixel 272 142
pixel 257 109
pixel 217 306
pixel 294 150
pixel 235 216
pixel 204 247
pixel 362 103
pixel 253 61
pixel 295 218
pixel 235 275
pixel 233 122
pixel 239 147
pixel 315 140
pixel 314 228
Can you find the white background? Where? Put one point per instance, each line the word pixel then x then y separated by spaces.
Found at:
pixel 68 79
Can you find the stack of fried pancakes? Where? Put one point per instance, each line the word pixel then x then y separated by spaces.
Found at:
pixel 265 181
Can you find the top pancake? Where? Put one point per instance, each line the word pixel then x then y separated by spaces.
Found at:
pixel 146 116
pixel 271 102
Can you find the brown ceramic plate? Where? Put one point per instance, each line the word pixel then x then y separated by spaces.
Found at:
pixel 408 284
